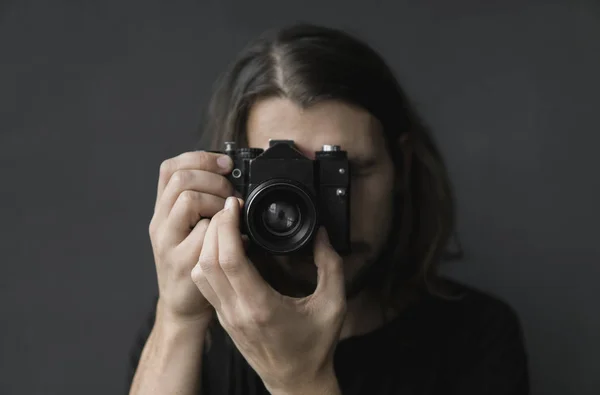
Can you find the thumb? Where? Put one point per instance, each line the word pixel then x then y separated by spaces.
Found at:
pixel 330 272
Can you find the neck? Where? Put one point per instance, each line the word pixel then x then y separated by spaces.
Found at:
pixel 364 314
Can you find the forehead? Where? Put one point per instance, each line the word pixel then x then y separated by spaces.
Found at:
pixel 330 122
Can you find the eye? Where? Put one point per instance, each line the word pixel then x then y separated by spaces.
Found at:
pixel 360 168
pixel 356 171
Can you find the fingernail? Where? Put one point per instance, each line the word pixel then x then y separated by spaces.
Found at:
pixel 224 162
pixel 323 234
pixel 229 203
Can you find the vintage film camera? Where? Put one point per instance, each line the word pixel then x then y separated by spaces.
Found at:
pixel 288 196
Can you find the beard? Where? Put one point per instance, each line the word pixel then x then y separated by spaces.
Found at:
pixel 296 275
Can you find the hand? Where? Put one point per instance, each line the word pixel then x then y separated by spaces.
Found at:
pixel 289 342
pixel 191 187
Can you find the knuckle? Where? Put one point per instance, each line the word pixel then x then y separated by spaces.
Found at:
pixel 230 265
pixel 260 316
pixel 180 177
pixel 188 196
pixel 207 264
pixel 197 274
pixel 203 159
pixel 155 238
pixel 166 167
pixel 159 244
pixel 233 321
pixel 152 227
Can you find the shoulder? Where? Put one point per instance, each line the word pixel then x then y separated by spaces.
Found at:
pixel 461 319
pixel 481 333
pixel 469 306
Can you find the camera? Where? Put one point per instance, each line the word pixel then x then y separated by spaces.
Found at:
pixel 288 196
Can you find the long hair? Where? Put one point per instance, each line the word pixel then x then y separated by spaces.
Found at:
pixel 308 64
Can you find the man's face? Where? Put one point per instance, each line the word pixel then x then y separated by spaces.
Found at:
pixel 372 183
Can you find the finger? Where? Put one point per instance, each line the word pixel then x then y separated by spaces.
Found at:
pixel 209 263
pixel 189 209
pixel 243 276
pixel 192 245
pixel 195 160
pixel 204 287
pixel 330 272
pixel 192 180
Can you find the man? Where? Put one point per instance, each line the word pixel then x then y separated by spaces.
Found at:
pixel 379 320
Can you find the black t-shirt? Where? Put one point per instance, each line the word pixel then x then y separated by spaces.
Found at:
pixel 467 346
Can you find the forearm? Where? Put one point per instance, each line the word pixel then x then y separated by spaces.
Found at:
pixel 171 361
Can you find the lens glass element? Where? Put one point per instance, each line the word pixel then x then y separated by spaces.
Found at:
pixel 281 218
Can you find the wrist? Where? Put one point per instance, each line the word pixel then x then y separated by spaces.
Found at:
pixel 172 356
pixel 177 322
pixel 323 383
pixel 172 338
pixel 189 329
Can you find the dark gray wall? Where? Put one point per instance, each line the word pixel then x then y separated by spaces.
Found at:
pixel 93 95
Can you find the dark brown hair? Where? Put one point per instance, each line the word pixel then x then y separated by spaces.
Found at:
pixel 308 64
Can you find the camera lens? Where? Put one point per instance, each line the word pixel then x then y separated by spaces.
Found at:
pixel 281 218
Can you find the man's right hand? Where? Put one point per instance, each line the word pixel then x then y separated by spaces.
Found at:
pixel 191 189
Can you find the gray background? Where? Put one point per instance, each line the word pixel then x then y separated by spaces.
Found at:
pixel 94 95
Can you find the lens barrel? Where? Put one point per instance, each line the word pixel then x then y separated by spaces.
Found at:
pixel 281 216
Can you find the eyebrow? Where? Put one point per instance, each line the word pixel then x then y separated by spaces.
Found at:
pixel 362 161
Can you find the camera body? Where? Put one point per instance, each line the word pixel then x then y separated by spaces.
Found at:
pixel 288 196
